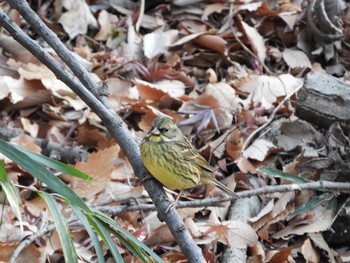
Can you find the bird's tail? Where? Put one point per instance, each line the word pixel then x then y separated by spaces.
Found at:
pixel 222 187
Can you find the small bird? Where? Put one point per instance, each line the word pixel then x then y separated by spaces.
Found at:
pixel 171 159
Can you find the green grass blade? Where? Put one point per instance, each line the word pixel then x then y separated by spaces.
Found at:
pixel 100 229
pixel 69 252
pixel 82 217
pixel 11 194
pixel 280 174
pixel 131 246
pixel 54 164
pixel 40 172
pixel 128 235
pixel 310 205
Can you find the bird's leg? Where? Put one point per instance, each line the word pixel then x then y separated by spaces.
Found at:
pixel 174 203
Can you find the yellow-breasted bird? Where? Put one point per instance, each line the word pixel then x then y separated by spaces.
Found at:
pixel 172 160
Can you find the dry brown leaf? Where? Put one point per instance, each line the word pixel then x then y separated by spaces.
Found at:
pixel 259 149
pixel 29 254
pixel 24 93
pixel 319 242
pixel 256 41
pixel 232 233
pixel 289 17
pixel 31 128
pixel 27 142
pixel 266 89
pixel 4 83
pixel 155 44
pixel 106 21
pixel 224 94
pixel 158 232
pixel 90 135
pixel 279 256
pixel 155 91
pixel 296 58
pixel 234 144
pixel 77 18
pixel 186 39
pixel 213 8
pixel 309 252
pixel 215 43
pixel 36 206
pixel 245 165
pixel 320 219
pixel 99 166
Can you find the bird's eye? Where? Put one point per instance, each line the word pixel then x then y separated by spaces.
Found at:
pixel 164 130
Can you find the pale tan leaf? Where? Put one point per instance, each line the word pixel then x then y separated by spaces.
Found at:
pixel 77 18
pixel 27 142
pixel 155 44
pixel 256 41
pixel 321 220
pixel 99 166
pixel 266 89
pixel 309 252
pixel 232 233
pixel 155 91
pixel 106 21
pixel 259 149
pixel 296 58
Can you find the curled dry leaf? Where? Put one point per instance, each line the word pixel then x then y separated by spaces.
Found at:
pixel 215 43
pixel 234 144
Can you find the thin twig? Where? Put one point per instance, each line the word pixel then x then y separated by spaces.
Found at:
pixel 207 202
pixel 30 239
pixel 269 121
pixel 114 210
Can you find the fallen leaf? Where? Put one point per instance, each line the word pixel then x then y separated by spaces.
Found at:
pixel 77 18
pixel 296 58
pixel 99 166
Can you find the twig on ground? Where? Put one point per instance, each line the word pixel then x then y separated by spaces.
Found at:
pixel 26 242
pixel 321 185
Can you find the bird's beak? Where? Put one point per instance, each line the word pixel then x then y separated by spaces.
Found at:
pixel 155 131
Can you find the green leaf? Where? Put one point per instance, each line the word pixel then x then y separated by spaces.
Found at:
pixel 82 217
pixel 69 252
pixel 100 229
pixel 54 164
pixel 11 194
pixel 131 246
pixel 40 172
pixel 127 234
pixel 278 173
pixel 310 205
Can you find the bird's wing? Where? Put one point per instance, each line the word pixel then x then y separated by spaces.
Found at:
pixel 190 155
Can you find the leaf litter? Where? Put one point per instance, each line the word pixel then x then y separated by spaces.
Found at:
pixel 200 65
